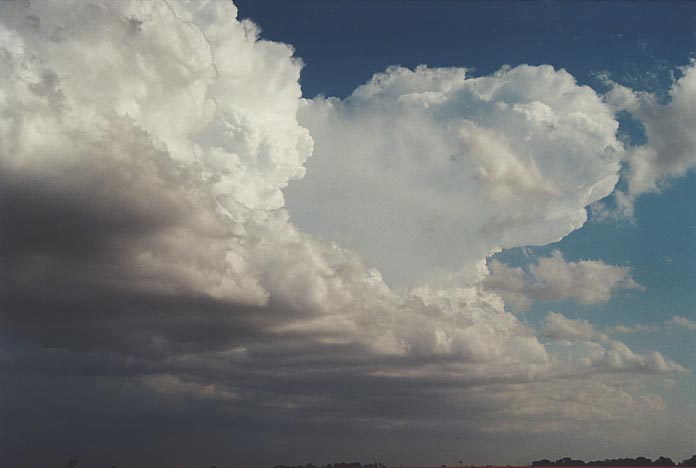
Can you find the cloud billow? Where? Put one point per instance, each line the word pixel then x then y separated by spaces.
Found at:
pixel 670 150
pixel 429 171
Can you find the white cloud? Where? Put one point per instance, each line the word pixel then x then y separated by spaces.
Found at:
pixel 155 115
pixel 637 328
pixel 670 151
pixel 426 172
pixel 555 279
pixel 682 322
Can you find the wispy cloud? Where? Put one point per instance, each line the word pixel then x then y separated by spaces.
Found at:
pixel 680 321
pixel 635 328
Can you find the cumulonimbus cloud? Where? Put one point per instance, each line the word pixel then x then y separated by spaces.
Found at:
pixel 144 150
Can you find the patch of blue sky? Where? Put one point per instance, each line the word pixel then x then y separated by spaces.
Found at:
pixel 343 43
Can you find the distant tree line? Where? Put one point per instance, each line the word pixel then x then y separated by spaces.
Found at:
pixel 335 465
pixel 640 461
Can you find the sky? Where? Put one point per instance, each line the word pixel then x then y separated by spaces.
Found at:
pixel 414 232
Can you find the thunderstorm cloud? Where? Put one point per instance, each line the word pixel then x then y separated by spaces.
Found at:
pixel 152 270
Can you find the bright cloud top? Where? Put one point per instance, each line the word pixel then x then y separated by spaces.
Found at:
pixel 428 171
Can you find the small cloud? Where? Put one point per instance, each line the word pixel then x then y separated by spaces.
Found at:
pixel 176 386
pixel 620 358
pixel 555 279
pixel 680 321
pixel 638 328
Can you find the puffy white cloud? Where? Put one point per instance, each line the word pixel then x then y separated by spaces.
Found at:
pixel 670 151
pixel 555 279
pixel 682 322
pixel 426 172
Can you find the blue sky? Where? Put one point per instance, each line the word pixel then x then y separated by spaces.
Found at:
pixel 413 232
pixel 344 43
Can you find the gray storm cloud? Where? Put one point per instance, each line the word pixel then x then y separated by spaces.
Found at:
pixel 144 150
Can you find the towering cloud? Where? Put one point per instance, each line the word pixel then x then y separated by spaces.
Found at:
pixel 144 150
